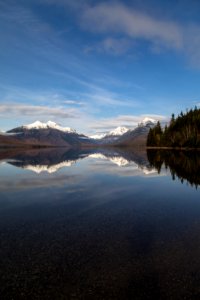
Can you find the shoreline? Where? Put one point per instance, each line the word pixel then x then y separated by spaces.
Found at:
pixel 173 148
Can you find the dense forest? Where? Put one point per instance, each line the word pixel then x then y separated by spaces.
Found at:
pixel 182 131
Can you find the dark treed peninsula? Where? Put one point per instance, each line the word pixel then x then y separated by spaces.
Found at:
pixel 182 132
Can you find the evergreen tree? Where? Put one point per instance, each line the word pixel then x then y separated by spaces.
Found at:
pixel 183 131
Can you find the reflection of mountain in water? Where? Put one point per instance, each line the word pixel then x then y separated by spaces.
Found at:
pixel 120 161
pixel 131 160
pixel 51 160
pixel 184 165
pixel 49 169
pixel 43 160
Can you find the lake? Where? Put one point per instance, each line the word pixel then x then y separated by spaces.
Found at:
pixel 99 224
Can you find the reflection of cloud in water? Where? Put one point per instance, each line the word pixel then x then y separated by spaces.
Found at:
pixel 130 170
pixel 24 182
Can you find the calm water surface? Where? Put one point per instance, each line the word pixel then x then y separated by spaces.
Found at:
pixel 99 225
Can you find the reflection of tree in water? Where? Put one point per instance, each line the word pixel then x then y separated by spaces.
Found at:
pixel 185 165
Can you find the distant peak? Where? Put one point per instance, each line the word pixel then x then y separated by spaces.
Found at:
pixel 115 132
pixel 147 120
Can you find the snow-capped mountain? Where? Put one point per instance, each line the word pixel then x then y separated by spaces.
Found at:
pixel 45 134
pixel 115 132
pixel 137 136
pixel 49 124
pixel 121 130
pixel 125 136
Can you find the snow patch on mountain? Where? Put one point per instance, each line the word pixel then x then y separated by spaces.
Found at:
pixel 147 120
pixel 118 131
pixel 98 136
pixel 120 161
pixel 49 124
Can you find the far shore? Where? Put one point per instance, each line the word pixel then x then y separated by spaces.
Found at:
pixel 142 147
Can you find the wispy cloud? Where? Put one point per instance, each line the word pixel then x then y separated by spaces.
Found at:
pixel 95 97
pixel 73 102
pixel 104 98
pixel 125 23
pixel 118 18
pixel 192 44
pixel 111 45
pixel 24 110
pixel 126 27
pixel 38 96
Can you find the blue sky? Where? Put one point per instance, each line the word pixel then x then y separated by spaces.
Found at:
pixel 95 65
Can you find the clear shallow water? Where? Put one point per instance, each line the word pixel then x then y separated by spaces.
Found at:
pixel 99 225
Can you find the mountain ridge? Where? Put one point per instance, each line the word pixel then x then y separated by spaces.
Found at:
pixel 51 134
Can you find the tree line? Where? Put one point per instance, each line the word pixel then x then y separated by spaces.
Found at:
pixel 182 131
